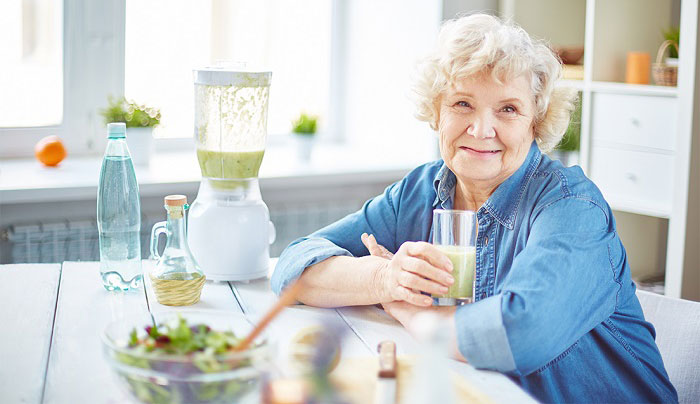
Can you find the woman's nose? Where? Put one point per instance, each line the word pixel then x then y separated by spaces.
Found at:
pixel 481 128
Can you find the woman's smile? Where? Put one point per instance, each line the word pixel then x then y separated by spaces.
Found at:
pixel 480 152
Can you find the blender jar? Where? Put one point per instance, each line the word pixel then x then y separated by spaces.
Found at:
pixel 230 123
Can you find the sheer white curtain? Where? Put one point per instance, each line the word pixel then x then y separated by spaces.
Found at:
pixel 166 39
pixel 31 63
pixel 385 39
pixel 347 61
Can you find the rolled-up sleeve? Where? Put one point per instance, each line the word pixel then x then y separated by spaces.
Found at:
pixel 342 238
pixel 298 256
pixel 561 285
pixel 486 344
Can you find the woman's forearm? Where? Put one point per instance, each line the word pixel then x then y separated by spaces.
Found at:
pixel 343 281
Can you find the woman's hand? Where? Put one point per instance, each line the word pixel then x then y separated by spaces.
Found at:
pixel 416 267
pixel 404 312
pixel 374 248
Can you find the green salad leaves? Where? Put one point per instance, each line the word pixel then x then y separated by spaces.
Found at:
pixel 188 352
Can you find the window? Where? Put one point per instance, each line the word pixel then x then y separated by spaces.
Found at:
pixel 58 62
pixel 32 63
pixel 347 61
pixel 384 40
pixel 166 39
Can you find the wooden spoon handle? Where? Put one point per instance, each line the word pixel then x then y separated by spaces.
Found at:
pixel 288 297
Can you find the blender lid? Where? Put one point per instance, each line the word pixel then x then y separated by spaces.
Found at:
pixel 226 76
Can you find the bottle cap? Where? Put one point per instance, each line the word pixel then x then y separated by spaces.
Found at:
pixel 175 200
pixel 116 129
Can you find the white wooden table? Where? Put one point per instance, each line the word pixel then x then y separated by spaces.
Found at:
pixel 51 317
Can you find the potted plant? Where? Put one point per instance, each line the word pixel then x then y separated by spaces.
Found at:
pixel 672 34
pixel 567 150
pixel 304 130
pixel 140 121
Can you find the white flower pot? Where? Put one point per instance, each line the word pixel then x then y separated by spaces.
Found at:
pixel 672 61
pixel 304 146
pixel 140 142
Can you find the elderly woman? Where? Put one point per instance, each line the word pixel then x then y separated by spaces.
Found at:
pixel 554 306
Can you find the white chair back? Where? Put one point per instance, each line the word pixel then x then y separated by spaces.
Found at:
pixel 677 324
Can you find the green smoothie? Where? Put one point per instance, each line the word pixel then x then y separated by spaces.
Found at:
pixel 229 165
pixel 464 265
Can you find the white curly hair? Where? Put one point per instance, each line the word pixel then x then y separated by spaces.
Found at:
pixel 478 43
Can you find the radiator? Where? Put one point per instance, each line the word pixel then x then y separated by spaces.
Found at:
pixel 77 240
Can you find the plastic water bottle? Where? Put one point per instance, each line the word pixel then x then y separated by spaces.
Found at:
pixel 119 215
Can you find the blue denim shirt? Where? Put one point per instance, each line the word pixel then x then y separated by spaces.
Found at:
pixel 555 308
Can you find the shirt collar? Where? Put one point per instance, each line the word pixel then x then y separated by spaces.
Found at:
pixel 503 203
pixel 444 185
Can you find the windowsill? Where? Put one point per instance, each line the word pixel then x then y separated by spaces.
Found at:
pixel 27 181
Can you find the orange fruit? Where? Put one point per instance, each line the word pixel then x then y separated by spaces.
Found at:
pixel 50 151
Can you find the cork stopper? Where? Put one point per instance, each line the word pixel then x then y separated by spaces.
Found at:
pixel 175 200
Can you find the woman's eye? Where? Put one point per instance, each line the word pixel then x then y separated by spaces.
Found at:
pixel 508 108
pixel 462 104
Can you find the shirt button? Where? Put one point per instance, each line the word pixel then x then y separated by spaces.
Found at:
pixel 486 241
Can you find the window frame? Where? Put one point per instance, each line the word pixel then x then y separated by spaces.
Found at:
pixel 337 92
pixel 93 68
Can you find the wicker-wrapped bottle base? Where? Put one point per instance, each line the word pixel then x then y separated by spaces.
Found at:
pixel 175 292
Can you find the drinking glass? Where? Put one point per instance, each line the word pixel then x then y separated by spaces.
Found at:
pixel 454 234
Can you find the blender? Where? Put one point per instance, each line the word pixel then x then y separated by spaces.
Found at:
pixel 229 228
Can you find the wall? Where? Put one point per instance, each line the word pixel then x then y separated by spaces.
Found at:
pixel 564 19
pixel 644 238
pixel 451 8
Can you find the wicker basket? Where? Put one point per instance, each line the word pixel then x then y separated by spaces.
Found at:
pixel 664 74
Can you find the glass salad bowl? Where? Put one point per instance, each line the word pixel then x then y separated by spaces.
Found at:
pixel 187 357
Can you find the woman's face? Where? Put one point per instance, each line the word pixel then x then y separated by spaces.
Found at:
pixel 486 128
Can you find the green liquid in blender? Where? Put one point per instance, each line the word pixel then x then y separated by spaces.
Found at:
pixel 229 165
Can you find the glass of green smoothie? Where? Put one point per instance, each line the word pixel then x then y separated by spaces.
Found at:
pixel 454 233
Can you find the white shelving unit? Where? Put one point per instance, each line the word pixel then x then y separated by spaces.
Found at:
pixel 639 143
